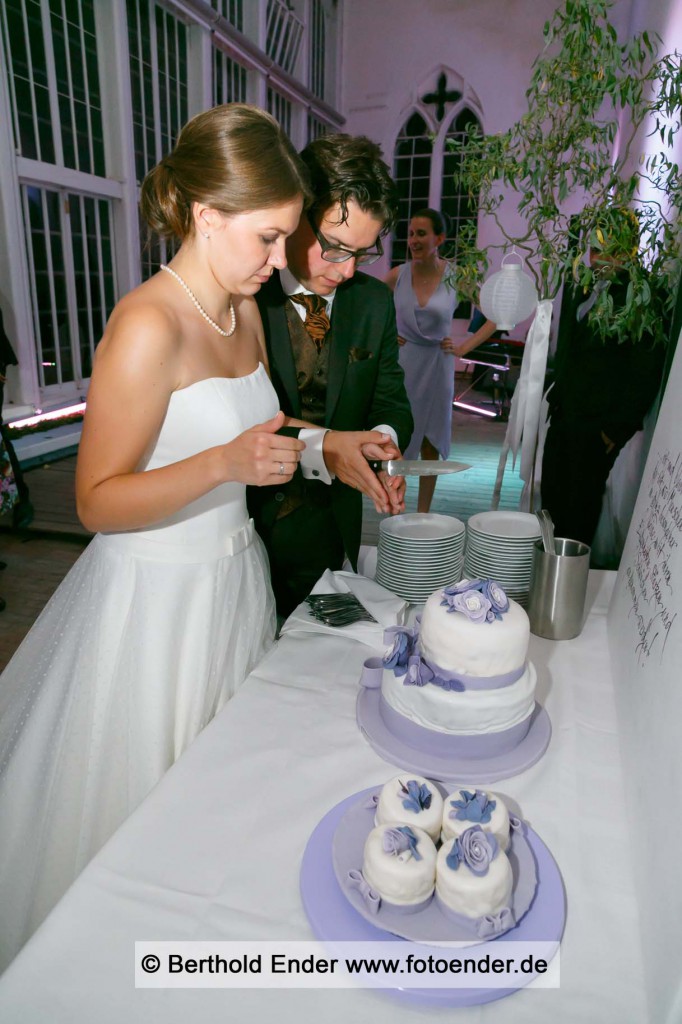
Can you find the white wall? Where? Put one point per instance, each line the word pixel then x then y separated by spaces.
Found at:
pixel 663 18
pixel 645 641
pixel 393 48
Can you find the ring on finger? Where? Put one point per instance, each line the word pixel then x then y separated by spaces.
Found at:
pixel 281 469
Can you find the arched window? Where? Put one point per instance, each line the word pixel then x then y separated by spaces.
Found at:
pixel 426 172
pixel 454 201
pixel 412 172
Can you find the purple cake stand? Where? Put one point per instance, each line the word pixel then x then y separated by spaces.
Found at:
pixel 332 917
pixel 449 768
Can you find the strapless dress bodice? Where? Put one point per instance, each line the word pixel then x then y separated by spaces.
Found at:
pixel 208 413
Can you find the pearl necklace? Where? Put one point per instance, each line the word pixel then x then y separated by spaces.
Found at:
pixel 207 318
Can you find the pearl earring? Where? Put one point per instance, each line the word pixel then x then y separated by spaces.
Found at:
pixel 206 234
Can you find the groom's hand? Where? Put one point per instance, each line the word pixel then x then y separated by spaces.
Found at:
pixel 394 486
pixel 344 456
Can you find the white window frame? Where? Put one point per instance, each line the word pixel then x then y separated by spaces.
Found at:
pixel 208 32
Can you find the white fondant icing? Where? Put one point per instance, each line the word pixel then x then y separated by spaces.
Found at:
pixel 498 824
pixel 400 879
pixel 390 807
pixel 470 894
pixel 467 713
pixel 457 644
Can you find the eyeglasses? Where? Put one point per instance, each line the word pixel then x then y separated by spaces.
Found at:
pixel 338 254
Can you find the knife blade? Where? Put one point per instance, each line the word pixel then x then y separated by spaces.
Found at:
pixel 418 467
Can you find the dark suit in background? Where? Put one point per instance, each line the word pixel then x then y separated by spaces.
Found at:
pixel 602 391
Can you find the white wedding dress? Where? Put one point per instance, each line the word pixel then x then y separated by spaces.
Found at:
pixel 148 636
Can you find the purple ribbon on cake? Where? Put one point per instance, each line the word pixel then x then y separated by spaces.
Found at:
pixel 419 671
pixel 486 927
pixel 373 901
pixel 406 659
pixel 428 742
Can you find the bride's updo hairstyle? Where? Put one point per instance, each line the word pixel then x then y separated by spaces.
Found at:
pixel 234 158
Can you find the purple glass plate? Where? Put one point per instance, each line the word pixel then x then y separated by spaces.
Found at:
pixel 429 924
pixel 332 918
pixel 447 768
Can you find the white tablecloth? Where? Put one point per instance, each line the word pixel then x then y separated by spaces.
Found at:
pixel 214 852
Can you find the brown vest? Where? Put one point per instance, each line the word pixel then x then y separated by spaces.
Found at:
pixel 312 368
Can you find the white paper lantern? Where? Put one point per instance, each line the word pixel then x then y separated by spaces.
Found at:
pixel 509 296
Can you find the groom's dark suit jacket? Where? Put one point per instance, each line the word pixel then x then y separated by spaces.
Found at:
pixel 365 388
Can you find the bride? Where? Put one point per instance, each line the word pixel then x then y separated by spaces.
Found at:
pixel 169 608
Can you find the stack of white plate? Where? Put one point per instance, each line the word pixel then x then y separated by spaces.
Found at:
pixel 419 553
pixel 500 547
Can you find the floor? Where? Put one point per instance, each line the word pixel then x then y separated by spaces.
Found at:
pixel 39 557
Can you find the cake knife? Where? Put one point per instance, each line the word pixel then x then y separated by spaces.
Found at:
pixel 418 467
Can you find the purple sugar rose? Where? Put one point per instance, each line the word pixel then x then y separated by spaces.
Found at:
pixel 477 849
pixel 400 840
pixel 491 594
pixel 462 587
pixel 472 604
pixel 399 654
pixel 418 672
pixel 497 597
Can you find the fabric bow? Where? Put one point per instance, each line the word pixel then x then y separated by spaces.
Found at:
pixel 372 898
pixel 494 924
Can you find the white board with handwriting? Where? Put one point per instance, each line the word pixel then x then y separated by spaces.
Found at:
pixel 645 640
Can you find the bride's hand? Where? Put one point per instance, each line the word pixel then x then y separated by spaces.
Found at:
pixel 261 457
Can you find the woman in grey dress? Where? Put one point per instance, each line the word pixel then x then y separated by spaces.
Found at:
pixel 425 302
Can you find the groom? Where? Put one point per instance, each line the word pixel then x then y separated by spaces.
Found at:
pixel 333 352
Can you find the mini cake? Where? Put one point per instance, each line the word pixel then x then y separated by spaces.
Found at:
pixel 399 863
pixel 474 876
pixel 460 682
pixel 411 800
pixel 465 808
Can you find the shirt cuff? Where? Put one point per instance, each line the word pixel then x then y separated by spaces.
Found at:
pixel 312 460
pixel 384 428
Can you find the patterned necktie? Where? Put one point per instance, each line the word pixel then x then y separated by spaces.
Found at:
pixel 316 320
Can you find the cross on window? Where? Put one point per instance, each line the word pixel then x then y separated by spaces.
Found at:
pixel 441 96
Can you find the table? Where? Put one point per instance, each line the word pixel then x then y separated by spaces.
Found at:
pixel 500 357
pixel 185 864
